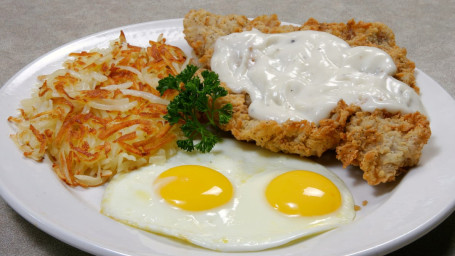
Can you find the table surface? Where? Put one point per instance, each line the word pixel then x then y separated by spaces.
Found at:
pixel 30 29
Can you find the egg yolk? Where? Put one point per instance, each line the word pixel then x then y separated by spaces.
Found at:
pixel 194 187
pixel 303 193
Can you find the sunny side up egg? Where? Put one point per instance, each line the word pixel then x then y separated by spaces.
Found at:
pixel 236 198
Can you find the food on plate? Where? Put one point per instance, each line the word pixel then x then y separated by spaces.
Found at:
pixel 222 200
pixel 101 113
pixel 316 87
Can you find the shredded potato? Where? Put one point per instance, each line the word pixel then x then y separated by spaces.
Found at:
pixel 101 113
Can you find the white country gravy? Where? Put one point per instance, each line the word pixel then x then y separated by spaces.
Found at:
pixel 302 75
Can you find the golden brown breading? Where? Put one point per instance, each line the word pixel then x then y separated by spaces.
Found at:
pixel 382 144
pixel 303 138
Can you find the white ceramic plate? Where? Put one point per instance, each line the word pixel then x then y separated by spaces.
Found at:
pixel 396 213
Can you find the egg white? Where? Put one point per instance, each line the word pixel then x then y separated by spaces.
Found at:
pixel 246 223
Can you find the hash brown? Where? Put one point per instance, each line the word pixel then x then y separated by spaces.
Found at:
pixel 101 113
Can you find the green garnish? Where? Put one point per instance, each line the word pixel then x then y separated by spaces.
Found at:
pixel 192 102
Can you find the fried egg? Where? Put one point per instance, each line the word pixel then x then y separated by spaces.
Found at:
pixel 236 198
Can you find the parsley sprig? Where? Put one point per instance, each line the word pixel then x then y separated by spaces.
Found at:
pixel 196 99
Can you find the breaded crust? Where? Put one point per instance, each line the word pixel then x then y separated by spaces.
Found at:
pixel 303 137
pixel 383 145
